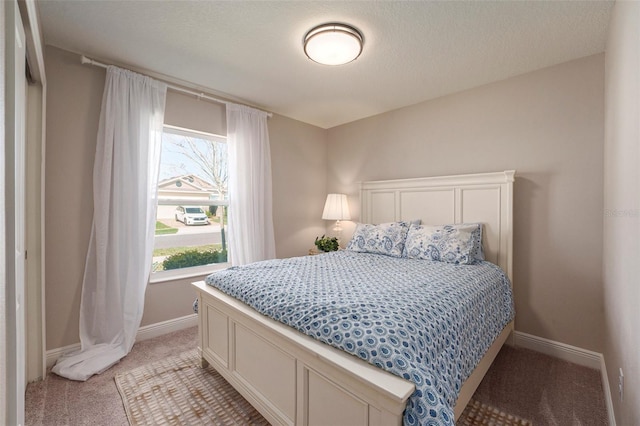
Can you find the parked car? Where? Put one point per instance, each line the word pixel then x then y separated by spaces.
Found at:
pixel 191 215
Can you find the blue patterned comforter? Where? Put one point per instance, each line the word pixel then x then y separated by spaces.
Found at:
pixel 428 322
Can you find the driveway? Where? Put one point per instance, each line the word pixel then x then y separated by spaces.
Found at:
pixel 189 236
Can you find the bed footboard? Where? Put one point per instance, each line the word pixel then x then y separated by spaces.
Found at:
pixel 289 377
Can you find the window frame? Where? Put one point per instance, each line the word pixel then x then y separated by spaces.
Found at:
pixel 192 271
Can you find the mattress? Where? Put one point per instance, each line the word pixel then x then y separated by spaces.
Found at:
pixel 426 321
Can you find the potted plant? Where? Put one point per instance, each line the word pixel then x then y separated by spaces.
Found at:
pixel 327 243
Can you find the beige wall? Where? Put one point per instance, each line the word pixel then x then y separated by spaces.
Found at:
pixel 74 94
pixel 622 209
pixel 73 108
pixel 299 170
pixel 549 126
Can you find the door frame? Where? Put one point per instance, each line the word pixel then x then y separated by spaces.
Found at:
pixel 35 195
pixel 14 124
pixel 13 374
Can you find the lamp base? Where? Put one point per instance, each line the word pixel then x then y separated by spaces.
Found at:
pixel 338 230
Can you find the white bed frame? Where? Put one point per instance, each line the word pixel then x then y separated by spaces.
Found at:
pixel 293 379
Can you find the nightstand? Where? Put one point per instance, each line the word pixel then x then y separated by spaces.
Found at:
pixel 314 251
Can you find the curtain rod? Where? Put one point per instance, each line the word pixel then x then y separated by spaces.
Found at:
pixel 200 95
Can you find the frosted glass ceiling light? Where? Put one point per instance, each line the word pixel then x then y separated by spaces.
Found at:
pixel 333 44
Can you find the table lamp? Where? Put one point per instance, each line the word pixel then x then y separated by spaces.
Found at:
pixel 336 208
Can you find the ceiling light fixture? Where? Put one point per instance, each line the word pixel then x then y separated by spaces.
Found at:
pixel 333 44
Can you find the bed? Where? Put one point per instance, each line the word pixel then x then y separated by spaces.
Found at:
pixel 292 378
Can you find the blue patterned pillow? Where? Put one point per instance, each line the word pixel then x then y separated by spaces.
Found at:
pixel 459 244
pixel 386 238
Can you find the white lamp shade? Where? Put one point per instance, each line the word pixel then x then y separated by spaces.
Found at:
pixel 336 208
pixel 333 44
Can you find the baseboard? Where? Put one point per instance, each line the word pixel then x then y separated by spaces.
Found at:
pixel 161 328
pixel 54 354
pixel 607 393
pixel 559 350
pixel 146 332
pixel 572 354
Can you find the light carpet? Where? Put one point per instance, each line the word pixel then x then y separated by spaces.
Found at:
pixel 176 391
pixel 476 414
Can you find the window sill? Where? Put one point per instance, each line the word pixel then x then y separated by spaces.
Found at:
pixel 186 273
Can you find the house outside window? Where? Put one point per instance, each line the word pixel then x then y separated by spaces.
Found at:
pixel 191 221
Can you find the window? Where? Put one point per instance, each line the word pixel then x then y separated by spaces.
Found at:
pixel 191 220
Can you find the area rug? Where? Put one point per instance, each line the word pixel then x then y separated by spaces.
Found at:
pixel 476 414
pixel 176 391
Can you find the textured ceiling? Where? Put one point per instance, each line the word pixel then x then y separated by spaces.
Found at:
pixel 252 51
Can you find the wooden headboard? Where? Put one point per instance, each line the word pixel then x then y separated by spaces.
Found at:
pixel 485 197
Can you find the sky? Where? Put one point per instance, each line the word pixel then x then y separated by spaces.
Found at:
pixel 173 162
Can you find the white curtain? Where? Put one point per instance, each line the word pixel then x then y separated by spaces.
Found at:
pixel 125 178
pixel 250 206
